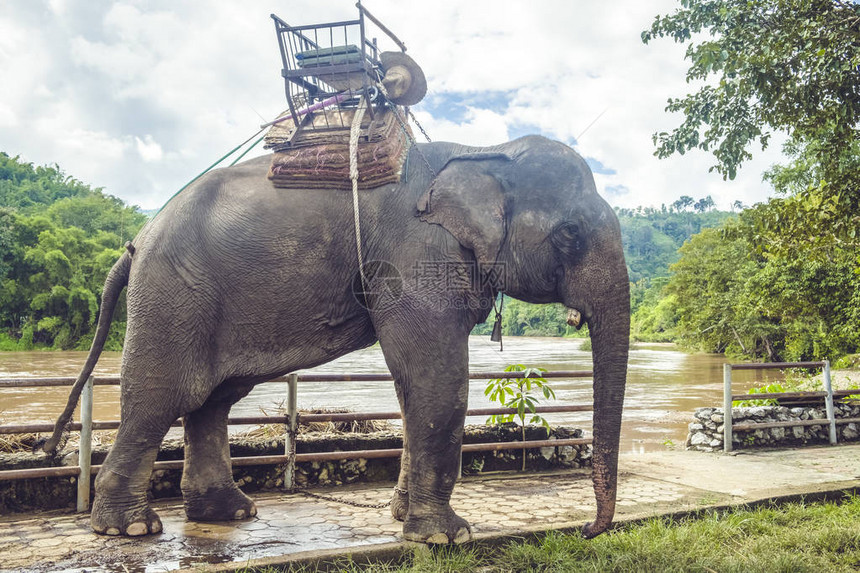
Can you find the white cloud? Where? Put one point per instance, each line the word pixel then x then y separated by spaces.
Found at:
pixel 479 127
pixel 8 119
pixel 108 89
pixel 148 148
pixel 58 7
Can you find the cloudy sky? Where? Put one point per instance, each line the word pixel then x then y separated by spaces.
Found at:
pixel 139 96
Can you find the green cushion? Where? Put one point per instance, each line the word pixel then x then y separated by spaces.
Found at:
pixel 333 51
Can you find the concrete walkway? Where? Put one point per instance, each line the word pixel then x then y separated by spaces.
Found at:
pixel 301 527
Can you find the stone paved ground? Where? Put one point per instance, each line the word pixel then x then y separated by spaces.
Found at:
pixel 650 484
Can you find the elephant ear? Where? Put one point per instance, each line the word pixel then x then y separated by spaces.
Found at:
pixel 467 198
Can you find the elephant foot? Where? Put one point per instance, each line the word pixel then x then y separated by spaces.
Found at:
pixel 591 529
pixel 132 522
pixel 121 508
pixel 399 504
pixel 447 527
pixel 221 504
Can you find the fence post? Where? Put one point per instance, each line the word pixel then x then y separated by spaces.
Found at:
pixel 727 408
pixel 85 448
pixel 828 402
pixel 292 431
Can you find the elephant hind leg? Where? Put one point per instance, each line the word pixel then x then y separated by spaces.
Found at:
pixel 121 506
pixel 208 489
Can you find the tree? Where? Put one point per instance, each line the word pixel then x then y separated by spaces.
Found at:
pixel 765 65
pixel 683 202
pixel 704 204
pixel 768 66
pixel 727 294
pixel 58 240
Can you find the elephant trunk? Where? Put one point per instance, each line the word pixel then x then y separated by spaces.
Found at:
pixel 609 327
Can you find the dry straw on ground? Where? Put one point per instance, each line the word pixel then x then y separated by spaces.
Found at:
pixel 355 427
pixel 14 443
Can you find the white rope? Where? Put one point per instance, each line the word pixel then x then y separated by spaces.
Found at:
pixel 354 132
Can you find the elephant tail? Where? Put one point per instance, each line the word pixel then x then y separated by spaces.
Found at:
pixel 116 280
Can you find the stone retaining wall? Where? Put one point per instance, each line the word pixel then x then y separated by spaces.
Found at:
pixel 55 493
pixel 706 429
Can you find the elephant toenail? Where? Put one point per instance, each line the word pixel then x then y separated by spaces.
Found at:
pixel 240 514
pixel 438 539
pixel 112 531
pixel 463 535
pixel 253 510
pixel 136 529
pixel 155 527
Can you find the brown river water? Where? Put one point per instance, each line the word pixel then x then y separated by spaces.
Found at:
pixel 664 386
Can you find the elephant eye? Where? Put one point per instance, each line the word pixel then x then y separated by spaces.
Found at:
pixel 568 239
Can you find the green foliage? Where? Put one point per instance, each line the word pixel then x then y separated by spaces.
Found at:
pixel 655 314
pixel 651 239
pixel 517 393
pixel 524 319
pixel 520 394
pixel 652 236
pixel 59 239
pixel 847 361
pixel 764 66
pixel 789 66
pixel 773 388
pixel 734 296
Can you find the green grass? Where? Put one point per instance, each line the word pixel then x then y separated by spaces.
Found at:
pixel 792 538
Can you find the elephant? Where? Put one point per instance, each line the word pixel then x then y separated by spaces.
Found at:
pixel 236 282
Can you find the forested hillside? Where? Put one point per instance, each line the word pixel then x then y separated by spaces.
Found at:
pixel 652 236
pixel 58 239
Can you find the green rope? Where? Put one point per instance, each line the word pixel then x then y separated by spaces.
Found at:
pixel 244 153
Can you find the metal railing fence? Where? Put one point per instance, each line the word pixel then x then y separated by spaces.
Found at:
pixel 729 427
pixel 291 418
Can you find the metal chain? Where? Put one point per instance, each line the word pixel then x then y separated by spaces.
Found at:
pixel 420 127
pixel 345 501
pixel 397 489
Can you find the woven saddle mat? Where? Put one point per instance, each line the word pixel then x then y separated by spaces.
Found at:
pixel 382 151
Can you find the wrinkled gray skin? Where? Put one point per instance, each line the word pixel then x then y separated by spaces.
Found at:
pixel 236 282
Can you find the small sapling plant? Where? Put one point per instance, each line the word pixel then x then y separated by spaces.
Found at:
pixel 521 394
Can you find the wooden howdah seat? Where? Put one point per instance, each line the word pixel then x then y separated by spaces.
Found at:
pixel 329 70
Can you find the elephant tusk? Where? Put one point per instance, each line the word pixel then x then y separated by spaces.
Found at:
pixel 574 317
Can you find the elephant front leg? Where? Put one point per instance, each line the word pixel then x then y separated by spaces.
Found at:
pixel 434 381
pixel 208 489
pixel 433 470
